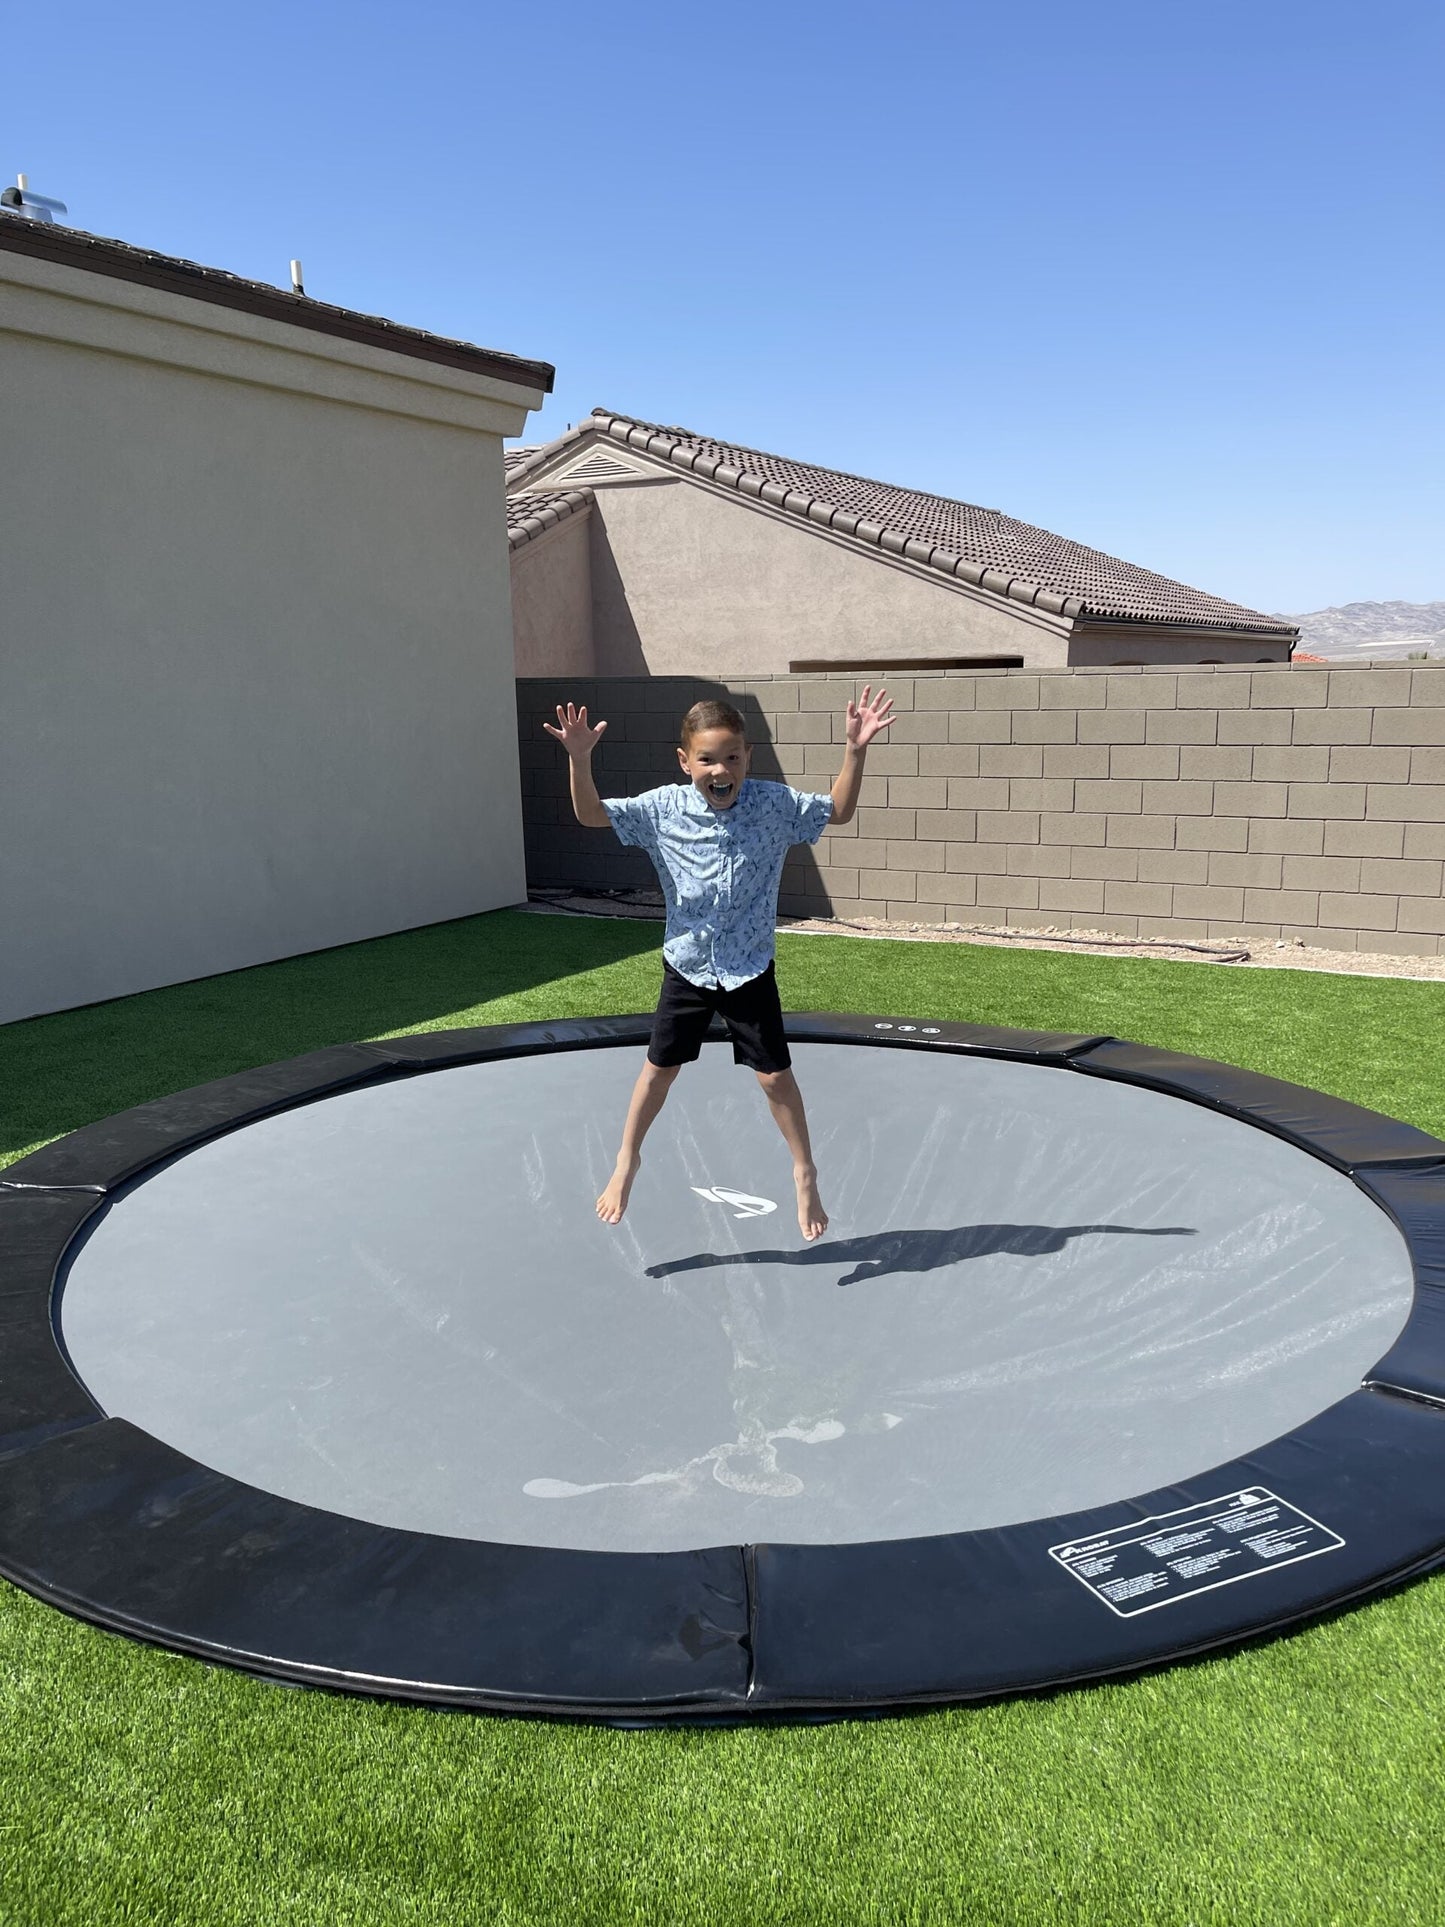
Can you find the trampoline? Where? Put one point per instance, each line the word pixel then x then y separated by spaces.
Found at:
pixel 1109 1356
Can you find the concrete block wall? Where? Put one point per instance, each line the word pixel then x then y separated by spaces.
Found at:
pixel 1260 801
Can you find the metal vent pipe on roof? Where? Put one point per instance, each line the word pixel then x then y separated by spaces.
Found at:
pixel 297 286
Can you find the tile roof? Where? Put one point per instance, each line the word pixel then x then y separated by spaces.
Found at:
pixel 123 262
pixel 974 544
pixel 533 513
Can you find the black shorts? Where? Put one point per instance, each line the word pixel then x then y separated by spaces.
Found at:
pixel 752 1013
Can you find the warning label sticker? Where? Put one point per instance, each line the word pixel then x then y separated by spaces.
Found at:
pixel 1154 1562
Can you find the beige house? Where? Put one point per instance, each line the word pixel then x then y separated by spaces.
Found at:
pixel 643 550
pixel 255 625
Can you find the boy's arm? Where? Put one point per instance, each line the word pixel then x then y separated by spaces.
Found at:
pixel 579 739
pixel 865 719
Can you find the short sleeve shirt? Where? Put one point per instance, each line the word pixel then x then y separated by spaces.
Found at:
pixel 719 869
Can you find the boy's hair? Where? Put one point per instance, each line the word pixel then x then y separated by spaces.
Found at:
pixel 710 715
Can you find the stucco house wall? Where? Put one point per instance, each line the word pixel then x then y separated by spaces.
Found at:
pixel 685 580
pixel 257 637
pixel 552 601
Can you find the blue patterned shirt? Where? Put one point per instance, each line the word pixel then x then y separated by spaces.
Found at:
pixel 719 869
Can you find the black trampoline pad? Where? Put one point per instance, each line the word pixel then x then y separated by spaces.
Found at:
pixel 1039 1292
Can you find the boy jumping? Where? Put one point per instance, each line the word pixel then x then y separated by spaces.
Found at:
pixel 718 843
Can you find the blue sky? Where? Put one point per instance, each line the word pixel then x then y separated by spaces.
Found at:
pixel 1166 279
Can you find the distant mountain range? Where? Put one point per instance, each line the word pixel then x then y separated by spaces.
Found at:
pixel 1381 631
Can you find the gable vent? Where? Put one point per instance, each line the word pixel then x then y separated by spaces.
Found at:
pixel 602 465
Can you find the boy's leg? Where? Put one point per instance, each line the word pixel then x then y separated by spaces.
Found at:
pixel 684 1011
pixel 785 1101
pixel 649 1094
pixel 753 1014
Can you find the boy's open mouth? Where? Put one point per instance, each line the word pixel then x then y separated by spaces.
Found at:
pixel 720 789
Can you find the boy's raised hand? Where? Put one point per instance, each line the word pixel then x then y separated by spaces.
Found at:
pixel 576 735
pixel 865 717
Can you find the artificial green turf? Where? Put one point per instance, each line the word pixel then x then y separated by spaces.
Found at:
pixel 1299 1781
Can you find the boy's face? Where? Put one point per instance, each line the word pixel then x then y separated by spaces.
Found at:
pixel 716 761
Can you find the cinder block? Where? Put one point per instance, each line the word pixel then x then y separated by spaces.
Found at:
pixel 1423 839
pixel 1212 833
pixel 1426 766
pixel 1216 762
pixel 943 692
pixel 916 726
pixel 1283 906
pixel 884 759
pixel 936 826
pixel 1179 929
pixel 1202 689
pixel 1038 860
pixel 1111 725
pixel 1139 899
pixel 1251 799
pixel 1174 866
pixel 1286 836
pixel 1065 762
pixel 1077 828
pixel 1404 943
pixel 1184 799
pixel 1256 871
pixel 1358 912
pixel 868 853
pixel 1332 726
pixel 1336 873
pixel 1183 725
pixel 948 759
pixel 885 824
pixel 1397 876
pixel 1008 826
pixel 1417 726
pixel 1112 795
pixel 1008 893
pixel 1157 761
pixel 1142 832
pixel 936 889
pixel 978 726
pixel 1010 759
pixel 915 856
pixel 905 911
pixel 1407 802
pixel 1071 692
pixel 1215 901
pixel 841 883
pixel 959 908
pixel 1422 914
pixel 976 859
pixel 1112 924
pixel 1079 894
pixel 1045 726
pixel 809 726
pixel 1351 763
pixel 1153 689
pixel 902 884
pixel 1015 689
pixel 1284 687
pixel 1106 865
pixel 919 792
pixel 832 693
pixel 1291 763
pixel 1253 725
pixel 1323 938
pixel 777 694
pixel 1383 685
pixel 1025 793
pixel 1363 839
pixel 977 793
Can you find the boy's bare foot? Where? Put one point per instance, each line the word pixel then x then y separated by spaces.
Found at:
pixel 812 1218
pixel 613 1202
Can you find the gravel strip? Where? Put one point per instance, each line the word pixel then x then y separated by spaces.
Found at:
pixel 1260 953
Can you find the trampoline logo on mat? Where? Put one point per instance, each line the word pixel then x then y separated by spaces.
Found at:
pixel 745 1207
